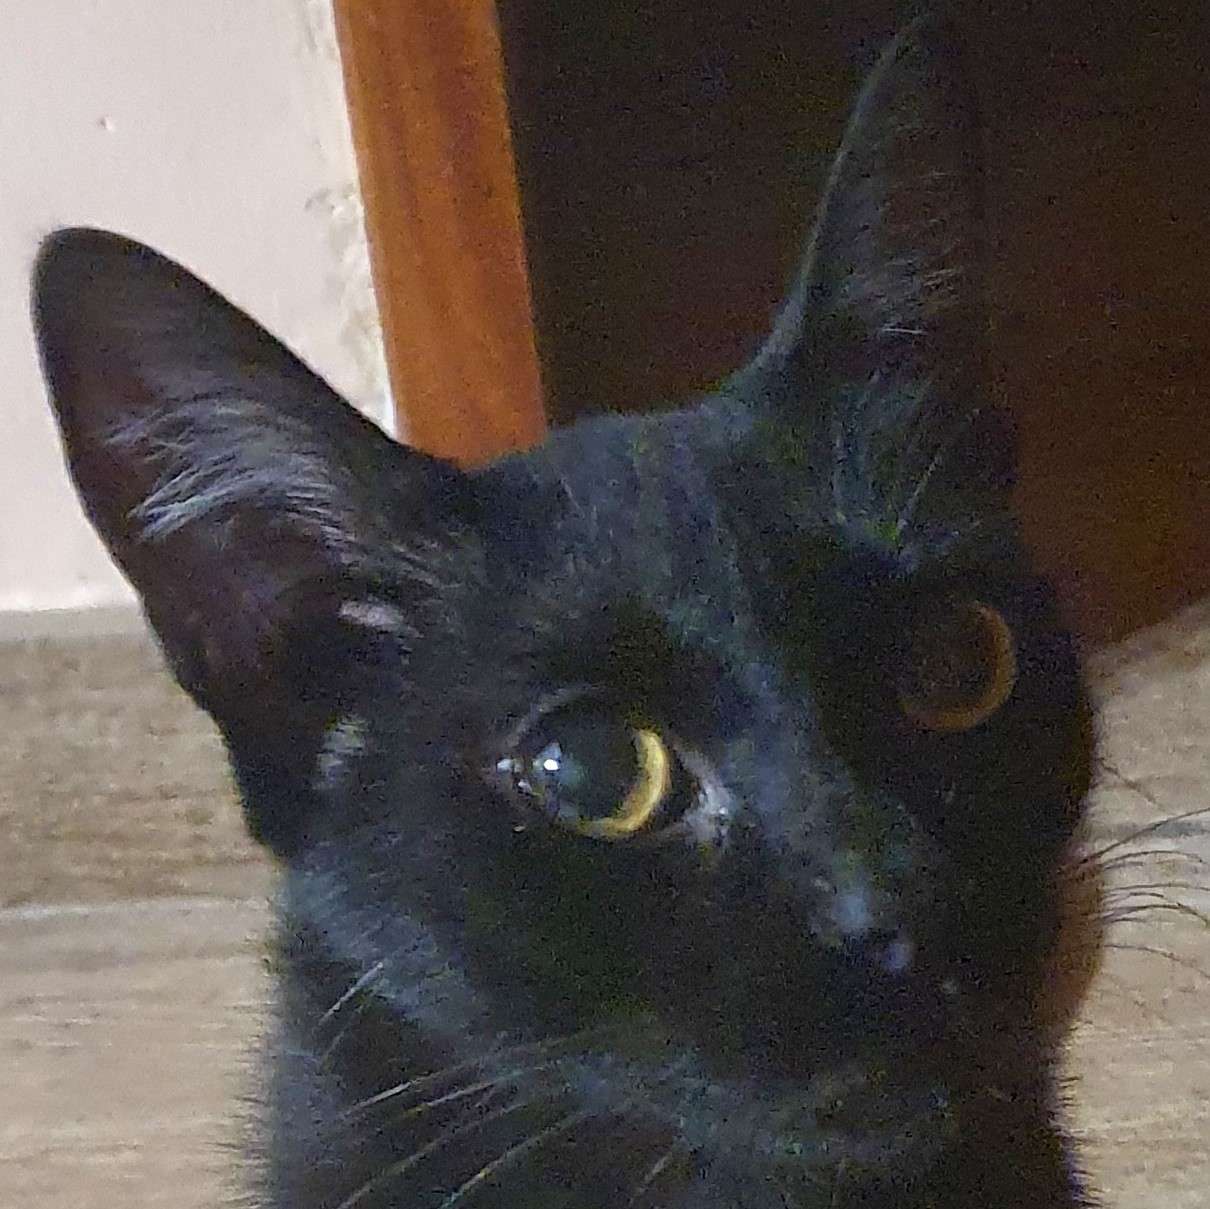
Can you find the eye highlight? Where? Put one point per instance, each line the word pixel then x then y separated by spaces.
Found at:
pixel 960 667
pixel 594 774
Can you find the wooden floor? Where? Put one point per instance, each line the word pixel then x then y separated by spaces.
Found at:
pixel 132 906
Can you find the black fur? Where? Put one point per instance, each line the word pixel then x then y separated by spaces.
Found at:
pixel 825 987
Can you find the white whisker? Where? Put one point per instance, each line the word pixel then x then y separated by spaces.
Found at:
pixel 359 984
pixel 443 1139
pixel 515 1153
pixel 538 1049
pixel 656 1170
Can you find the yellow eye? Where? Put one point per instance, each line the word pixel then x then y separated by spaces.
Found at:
pixel 960 668
pixel 590 771
pixel 652 781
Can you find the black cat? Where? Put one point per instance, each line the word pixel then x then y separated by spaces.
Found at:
pixel 675 815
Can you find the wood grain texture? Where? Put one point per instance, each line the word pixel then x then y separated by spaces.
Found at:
pixel 430 123
pixel 125 1037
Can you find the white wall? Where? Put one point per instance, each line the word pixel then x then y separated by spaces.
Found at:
pixel 214 130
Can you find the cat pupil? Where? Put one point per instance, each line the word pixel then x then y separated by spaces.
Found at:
pixel 585 772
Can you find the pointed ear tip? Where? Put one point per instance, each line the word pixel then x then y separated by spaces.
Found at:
pixel 84 282
pixel 60 265
pixel 930 30
pixel 68 261
pixel 923 64
pixel 930 40
pixel 71 256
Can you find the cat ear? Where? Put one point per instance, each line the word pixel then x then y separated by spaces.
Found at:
pixel 230 483
pixel 878 350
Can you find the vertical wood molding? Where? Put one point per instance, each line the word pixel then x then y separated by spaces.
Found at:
pixel 426 99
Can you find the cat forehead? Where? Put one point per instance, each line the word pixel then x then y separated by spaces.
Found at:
pixel 664 505
pixel 631 499
pixel 715 519
pixel 611 561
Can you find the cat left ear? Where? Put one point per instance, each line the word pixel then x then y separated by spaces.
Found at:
pixel 236 489
pixel 879 348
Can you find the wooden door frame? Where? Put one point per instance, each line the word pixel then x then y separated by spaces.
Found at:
pixel 425 86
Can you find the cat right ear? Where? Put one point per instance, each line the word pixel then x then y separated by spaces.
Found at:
pixel 891 275
pixel 879 350
pixel 229 482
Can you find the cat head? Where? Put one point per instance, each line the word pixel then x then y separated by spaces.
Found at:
pixel 677 813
